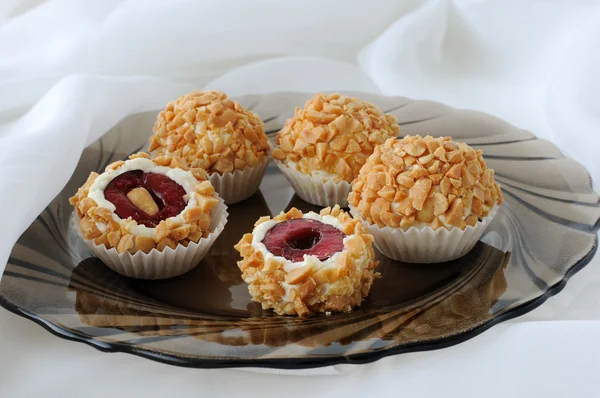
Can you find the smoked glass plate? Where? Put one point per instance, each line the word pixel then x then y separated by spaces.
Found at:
pixel 545 231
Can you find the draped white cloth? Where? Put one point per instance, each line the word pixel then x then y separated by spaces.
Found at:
pixel 71 69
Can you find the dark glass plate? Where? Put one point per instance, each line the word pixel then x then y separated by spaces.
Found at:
pixel 545 231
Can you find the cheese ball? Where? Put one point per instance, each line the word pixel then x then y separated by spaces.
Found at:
pixel 140 205
pixel 210 131
pixel 300 264
pixel 332 136
pixel 418 182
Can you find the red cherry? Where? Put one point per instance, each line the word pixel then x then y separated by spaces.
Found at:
pixel 167 194
pixel 292 239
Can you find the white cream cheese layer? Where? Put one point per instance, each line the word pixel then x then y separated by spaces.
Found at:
pixel 213 136
pixel 323 175
pixel 261 230
pixel 184 178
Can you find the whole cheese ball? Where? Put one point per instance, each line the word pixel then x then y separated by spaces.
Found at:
pixel 428 181
pixel 333 135
pixel 210 131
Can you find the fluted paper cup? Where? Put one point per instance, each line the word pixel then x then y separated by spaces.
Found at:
pixel 160 264
pixel 240 184
pixel 426 245
pixel 315 190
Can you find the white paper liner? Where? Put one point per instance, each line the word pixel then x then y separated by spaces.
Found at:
pixel 314 190
pixel 241 184
pixel 426 245
pixel 160 265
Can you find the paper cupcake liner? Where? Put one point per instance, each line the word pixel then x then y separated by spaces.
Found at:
pixel 241 184
pixel 314 190
pixel 426 245
pixel 156 264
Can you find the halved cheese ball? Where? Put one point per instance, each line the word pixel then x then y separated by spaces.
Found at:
pixel 298 264
pixel 142 204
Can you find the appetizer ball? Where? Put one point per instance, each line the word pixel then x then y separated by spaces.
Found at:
pixel 141 206
pixel 425 183
pixel 299 264
pixel 212 132
pixel 327 142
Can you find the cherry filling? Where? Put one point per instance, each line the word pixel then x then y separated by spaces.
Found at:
pixel 292 239
pixel 167 194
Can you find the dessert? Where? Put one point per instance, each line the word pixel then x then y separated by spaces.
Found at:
pixel 149 219
pixel 425 199
pixel 212 132
pixel 298 264
pixel 322 148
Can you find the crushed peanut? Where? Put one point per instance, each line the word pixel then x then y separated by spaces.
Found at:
pixel 117 234
pixel 425 180
pixel 142 199
pixel 211 132
pixel 348 282
pixel 335 134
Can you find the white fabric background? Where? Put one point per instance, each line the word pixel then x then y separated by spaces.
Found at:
pixel 70 69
